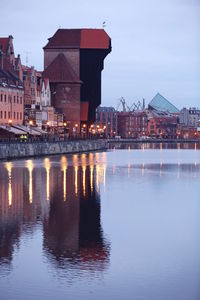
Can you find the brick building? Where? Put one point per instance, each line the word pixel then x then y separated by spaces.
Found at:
pixel 163 126
pixel 132 124
pixel 11 86
pixel 106 119
pixel 73 61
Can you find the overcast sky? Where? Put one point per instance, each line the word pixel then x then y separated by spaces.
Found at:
pixel 155 44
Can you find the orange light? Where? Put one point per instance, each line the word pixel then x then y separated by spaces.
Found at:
pixel 76 125
pixel 65 124
pixel 97 126
pixel 47 123
pixel 10 121
pixel 30 122
pixel 84 125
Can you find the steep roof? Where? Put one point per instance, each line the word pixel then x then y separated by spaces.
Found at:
pixel 79 38
pixel 160 103
pixel 4 44
pixel 60 71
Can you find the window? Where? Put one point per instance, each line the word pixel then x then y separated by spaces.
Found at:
pixel 1 114
pixel 1 97
pixel 14 115
pixel 4 98
pixel 20 100
pixel 20 116
pixel 4 114
pixel 9 115
pixel 17 99
pixel 14 99
pixel 17 116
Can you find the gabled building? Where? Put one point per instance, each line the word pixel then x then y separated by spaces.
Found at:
pixel 73 61
pixel 11 86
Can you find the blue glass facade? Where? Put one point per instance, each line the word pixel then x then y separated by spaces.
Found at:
pixel 160 103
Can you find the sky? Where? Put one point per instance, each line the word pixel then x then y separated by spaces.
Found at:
pixel 155 44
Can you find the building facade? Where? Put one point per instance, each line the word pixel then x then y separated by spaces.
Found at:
pixel 73 61
pixel 189 117
pixel 133 124
pixel 11 86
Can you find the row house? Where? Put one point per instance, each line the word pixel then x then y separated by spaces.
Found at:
pixel 32 96
pixel 163 126
pixel 11 85
pixel 133 124
pixel 106 120
pixel 189 117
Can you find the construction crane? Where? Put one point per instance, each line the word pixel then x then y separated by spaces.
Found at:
pixel 125 107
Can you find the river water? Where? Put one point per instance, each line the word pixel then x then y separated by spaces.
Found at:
pixel 121 224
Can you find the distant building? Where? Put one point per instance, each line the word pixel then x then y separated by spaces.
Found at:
pixel 133 124
pixel 161 104
pixel 106 118
pixel 32 95
pixel 73 61
pixel 47 109
pixel 189 117
pixel 163 126
pixel 11 86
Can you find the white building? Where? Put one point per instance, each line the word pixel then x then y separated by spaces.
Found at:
pixel 47 109
pixel 189 117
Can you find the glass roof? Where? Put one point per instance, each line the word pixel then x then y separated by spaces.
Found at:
pixel 162 104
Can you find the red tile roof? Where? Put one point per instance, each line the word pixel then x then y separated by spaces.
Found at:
pixel 79 38
pixel 4 44
pixel 61 71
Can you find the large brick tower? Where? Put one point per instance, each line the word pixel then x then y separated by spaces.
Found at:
pixel 73 61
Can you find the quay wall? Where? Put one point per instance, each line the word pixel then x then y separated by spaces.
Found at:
pixel 15 150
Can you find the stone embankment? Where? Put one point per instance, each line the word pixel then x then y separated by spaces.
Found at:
pixel 14 150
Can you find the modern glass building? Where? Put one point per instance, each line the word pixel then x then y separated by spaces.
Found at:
pixel 161 104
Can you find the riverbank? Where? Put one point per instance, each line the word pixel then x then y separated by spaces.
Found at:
pixel 15 150
pixel 176 141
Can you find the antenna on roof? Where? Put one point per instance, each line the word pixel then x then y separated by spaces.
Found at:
pixel 104 24
pixel 27 53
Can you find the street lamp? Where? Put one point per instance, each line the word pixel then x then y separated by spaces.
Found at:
pixel 9 121
pixel 30 122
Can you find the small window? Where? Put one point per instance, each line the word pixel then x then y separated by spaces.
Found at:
pixel 4 98
pixel 5 114
pixel 20 116
pixel 17 116
pixel 14 115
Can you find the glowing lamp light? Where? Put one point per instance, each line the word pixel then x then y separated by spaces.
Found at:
pixel 65 124
pixel 30 122
pixel 84 125
pixel 76 125
pixel 10 121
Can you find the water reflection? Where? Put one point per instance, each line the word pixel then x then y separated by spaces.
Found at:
pixel 65 200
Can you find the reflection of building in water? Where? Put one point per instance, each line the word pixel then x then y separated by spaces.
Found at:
pixel 73 230
pixel 11 209
pixel 64 197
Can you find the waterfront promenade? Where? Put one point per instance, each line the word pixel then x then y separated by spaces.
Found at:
pixel 33 148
